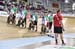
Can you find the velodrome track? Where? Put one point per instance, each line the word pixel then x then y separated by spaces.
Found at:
pixel 11 31
pixel 11 37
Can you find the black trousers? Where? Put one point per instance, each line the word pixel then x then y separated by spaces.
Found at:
pixel 31 26
pixel 50 25
pixel 19 22
pixel 35 24
pixel 24 22
pixel 43 29
pixel 11 18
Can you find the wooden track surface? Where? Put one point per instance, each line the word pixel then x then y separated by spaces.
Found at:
pixel 11 31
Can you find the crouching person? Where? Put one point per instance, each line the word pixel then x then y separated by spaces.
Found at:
pixel 44 23
pixel 9 19
pixel 31 24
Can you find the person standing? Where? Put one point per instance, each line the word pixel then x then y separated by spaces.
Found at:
pixel 50 19
pixel 58 27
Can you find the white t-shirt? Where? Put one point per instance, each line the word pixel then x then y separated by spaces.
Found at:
pixel 34 18
pixel 23 15
pixel 12 11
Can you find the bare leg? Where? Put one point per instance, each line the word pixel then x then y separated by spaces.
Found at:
pixel 56 36
pixel 61 36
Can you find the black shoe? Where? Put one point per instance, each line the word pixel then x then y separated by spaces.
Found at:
pixel 50 36
pixel 63 42
pixel 35 30
pixel 17 25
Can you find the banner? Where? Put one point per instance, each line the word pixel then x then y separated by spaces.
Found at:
pixel 3 13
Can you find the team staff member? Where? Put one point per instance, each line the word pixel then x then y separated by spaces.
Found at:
pixel 58 27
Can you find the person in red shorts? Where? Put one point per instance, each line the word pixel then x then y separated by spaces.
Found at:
pixel 58 27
